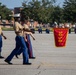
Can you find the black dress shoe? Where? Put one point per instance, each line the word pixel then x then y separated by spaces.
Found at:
pixel 16 56
pixel 8 62
pixel 32 57
pixel 1 57
pixel 27 63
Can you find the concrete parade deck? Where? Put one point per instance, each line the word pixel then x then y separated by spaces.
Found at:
pixel 49 59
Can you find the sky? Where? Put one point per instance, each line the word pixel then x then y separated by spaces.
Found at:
pixel 18 3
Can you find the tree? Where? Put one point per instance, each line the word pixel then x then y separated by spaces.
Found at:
pixel 57 14
pixel 38 10
pixel 4 12
pixel 70 10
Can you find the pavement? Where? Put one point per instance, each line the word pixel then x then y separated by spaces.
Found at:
pixel 50 60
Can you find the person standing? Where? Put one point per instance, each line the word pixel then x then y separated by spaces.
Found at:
pixel 40 30
pixel 1 34
pixel 27 41
pixel 20 43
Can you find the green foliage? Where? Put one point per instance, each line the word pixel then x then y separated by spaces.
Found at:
pixel 44 11
pixel 38 10
pixel 70 10
pixel 4 12
pixel 7 29
pixel 57 14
